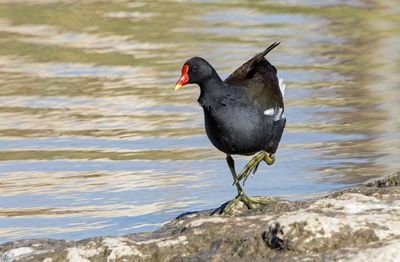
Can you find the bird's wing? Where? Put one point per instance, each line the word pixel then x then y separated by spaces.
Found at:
pixel 248 69
pixel 258 79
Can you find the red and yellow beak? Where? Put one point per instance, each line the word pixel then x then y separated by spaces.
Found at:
pixel 184 79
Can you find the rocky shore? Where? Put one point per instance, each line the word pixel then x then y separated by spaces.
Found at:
pixel 357 224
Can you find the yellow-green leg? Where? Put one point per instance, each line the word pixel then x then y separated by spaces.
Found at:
pixel 253 165
pixel 241 197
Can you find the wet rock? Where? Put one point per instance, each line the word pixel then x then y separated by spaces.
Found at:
pixel 356 224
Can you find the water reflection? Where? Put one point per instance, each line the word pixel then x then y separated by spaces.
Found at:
pixel 94 141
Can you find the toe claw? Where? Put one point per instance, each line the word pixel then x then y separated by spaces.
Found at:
pixel 245 178
pixel 255 169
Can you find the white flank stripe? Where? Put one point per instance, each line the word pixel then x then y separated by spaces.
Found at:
pixel 269 112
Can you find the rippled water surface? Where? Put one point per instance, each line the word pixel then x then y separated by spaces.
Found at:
pixel 94 140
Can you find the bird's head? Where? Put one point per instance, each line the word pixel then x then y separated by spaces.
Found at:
pixel 195 71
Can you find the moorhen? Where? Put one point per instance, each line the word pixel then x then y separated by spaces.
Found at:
pixel 244 114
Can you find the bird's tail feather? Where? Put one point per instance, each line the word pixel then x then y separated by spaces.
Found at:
pixel 260 56
pixel 269 48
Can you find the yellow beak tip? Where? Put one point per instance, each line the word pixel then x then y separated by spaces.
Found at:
pixel 177 87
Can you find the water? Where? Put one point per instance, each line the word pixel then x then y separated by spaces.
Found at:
pixel 94 140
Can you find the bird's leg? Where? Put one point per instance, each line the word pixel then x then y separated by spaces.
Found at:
pixel 269 159
pixel 241 197
pixel 253 165
pixel 231 164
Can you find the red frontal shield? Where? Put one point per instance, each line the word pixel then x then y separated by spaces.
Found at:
pixel 184 78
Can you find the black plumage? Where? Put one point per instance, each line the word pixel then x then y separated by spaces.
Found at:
pixel 244 114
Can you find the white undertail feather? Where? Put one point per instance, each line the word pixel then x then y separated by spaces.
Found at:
pixel 278 112
pixel 279 115
pixel 282 86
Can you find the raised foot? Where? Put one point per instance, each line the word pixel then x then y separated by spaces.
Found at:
pixel 253 165
pixel 269 159
pixel 249 202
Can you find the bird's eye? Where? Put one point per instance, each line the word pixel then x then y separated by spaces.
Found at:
pixel 195 68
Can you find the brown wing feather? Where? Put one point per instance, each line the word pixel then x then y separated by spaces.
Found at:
pixel 245 70
pixel 258 77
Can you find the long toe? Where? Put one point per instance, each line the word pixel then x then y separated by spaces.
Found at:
pixel 252 165
pixel 263 201
pixel 231 207
pixel 242 201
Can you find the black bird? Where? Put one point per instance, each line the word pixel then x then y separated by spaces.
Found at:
pixel 244 114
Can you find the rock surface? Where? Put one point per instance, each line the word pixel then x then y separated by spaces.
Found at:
pixel 356 224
